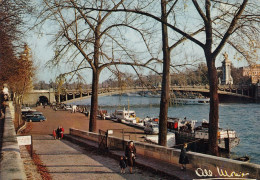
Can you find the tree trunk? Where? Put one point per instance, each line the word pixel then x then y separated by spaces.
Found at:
pixel 94 102
pixel 165 80
pixel 214 109
pixel 95 80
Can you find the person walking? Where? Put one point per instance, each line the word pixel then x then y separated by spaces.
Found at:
pixel 59 132
pixel 54 134
pixel 62 132
pixel 130 153
pixel 183 160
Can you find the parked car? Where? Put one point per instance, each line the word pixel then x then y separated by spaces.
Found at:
pixel 151 128
pixel 36 118
pixel 68 108
pixel 27 109
pixel 32 113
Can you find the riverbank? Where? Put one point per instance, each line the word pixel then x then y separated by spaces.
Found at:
pixel 241 117
pixel 80 121
pixel 68 119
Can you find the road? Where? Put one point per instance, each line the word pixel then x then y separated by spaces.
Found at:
pixel 80 121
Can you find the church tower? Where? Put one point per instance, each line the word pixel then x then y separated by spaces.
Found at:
pixel 226 70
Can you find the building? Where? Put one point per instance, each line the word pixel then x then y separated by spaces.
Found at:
pixel 253 72
pixel 226 70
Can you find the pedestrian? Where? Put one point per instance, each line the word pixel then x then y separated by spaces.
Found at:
pixel 122 164
pixel 130 153
pixel 62 132
pixel 183 160
pixel 54 134
pixel 59 132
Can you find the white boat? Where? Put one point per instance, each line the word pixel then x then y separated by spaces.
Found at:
pixel 125 116
pixel 154 139
pixel 191 101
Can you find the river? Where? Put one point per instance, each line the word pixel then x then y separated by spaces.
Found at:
pixel 243 118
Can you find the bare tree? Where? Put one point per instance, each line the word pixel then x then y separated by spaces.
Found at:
pixel 91 40
pixel 221 20
pixel 166 10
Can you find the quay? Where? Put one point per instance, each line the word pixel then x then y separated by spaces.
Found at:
pixel 77 155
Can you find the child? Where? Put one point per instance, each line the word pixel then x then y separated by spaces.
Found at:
pixel 62 132
pixel 122 164
pixel 54 133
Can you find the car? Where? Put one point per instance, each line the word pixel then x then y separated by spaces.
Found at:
pixel 68 108
pixel 151 128
pixel 27 109
pixel 36 118
pixel 32 113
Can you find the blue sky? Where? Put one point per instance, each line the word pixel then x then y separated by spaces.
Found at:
pixel 43 52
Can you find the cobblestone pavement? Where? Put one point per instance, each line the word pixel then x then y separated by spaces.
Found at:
pixel 65 160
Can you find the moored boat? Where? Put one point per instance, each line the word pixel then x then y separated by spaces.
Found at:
pixel 244 159
pixel 191 101
pixel 198 137
pixel 125 116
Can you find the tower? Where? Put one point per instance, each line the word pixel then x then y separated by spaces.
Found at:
pixel 226 70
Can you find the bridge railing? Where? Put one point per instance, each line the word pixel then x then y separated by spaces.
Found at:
pixel 236 90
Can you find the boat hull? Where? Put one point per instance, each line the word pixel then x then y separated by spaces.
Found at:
pixel 202 145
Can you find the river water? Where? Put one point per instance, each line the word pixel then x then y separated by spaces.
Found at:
pixel 243 118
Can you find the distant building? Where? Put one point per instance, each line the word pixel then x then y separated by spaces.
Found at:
pixel 253 72
pixel 226 70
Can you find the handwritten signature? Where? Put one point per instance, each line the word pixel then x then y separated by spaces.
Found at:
pixel 222 173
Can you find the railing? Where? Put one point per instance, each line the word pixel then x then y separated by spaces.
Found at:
pixel 235 90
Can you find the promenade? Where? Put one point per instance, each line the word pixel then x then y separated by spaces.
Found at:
pixel 77 156
pixel 63 159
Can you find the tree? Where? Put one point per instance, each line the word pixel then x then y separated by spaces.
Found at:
pixel 13 69
pixel 93 40
pixel 23 74
pixel 231 19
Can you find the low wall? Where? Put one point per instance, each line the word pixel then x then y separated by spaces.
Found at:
pixel 204 165
pixel 11 165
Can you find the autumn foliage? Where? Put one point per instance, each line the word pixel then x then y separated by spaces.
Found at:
pixel 16 69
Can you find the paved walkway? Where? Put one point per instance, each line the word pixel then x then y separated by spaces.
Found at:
pixel 65 160
pixel 150 164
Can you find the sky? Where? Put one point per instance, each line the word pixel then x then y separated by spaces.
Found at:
pixel 42 52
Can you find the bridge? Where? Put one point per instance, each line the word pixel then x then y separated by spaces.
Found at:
pixel 39 96
pixel 224 91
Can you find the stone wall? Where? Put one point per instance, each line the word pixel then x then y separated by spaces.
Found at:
pixel 11 165
pixel 32 97
pixel 200 163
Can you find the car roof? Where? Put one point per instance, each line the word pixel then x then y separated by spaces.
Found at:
pixel 36 112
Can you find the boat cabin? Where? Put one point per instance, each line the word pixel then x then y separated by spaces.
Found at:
pixel 126 115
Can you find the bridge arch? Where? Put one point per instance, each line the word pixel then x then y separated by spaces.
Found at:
pixel 43 100
pixel 36 96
